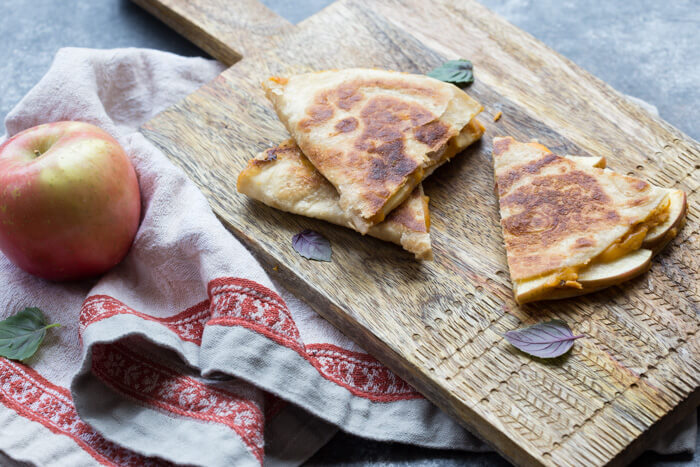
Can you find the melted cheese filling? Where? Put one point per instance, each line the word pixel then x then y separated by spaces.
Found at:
pixel 631 241
pixel 426 213
pixel 565 276
pixel 454 145
pixel 634 238
pixel 399 196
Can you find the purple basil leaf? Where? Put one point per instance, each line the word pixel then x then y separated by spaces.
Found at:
pixel 312 245
pixel 544 340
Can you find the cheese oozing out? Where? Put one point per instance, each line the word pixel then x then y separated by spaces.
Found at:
pixel 617 255
pixel 623 259
pixel 470 133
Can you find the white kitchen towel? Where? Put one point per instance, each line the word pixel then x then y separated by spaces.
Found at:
pixel 187 351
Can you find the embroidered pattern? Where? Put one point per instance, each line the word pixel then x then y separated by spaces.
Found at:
pixel 232 302
pixel 31 396
pixel 360 373
pixel 188 325
pixel 234 299
pixel 155 385
pixel 240 302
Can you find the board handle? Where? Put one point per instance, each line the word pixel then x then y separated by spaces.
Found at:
pixel 224 29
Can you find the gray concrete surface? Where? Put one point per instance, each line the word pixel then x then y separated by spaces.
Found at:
pixel 31 31
pixel 645 48
pixel 649 49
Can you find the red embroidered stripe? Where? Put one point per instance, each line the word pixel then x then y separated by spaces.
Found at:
pixel 156 385
pixel 30 395
pixel 361 372
pixel 240 302
pixel 233 302
pixel 233 297
pixel 188 324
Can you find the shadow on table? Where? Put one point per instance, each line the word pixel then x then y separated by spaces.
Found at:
pixel 348 450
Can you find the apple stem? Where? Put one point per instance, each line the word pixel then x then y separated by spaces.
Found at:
pixel 37 153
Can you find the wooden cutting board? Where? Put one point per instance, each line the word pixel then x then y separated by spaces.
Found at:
pixel 440 324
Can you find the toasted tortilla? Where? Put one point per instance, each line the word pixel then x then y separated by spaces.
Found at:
pixel 564 219
pixel 373 134
pixel 282 177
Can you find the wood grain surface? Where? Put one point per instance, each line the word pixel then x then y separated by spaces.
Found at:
pixel 440 325
pixel 225 30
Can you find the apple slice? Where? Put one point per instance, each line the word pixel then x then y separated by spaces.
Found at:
pixel 660 235
pixel 601 275
pixel 594 161
pixel 595 277
pixel 533 289
pixel 606 274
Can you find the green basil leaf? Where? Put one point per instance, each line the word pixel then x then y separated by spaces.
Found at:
pixel 22 334
pixel 459 72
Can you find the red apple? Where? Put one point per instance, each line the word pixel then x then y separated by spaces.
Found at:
pixel 69 200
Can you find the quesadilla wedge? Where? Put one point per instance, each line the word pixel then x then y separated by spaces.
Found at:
pixel 373 134
pixel 282 177
pixel 572 228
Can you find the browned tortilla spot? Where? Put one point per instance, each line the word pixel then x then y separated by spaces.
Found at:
pixel 641 185
pixel 432 134
pixel 583 242
pixel 638 201
pixel 552 207
pixel 392 163
pixel 384 113
pixel 346 125
pixel 407 217
pixel 318 113
pixel 501 146
pixel 512 176
pixel 386 122
pixel 347 95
